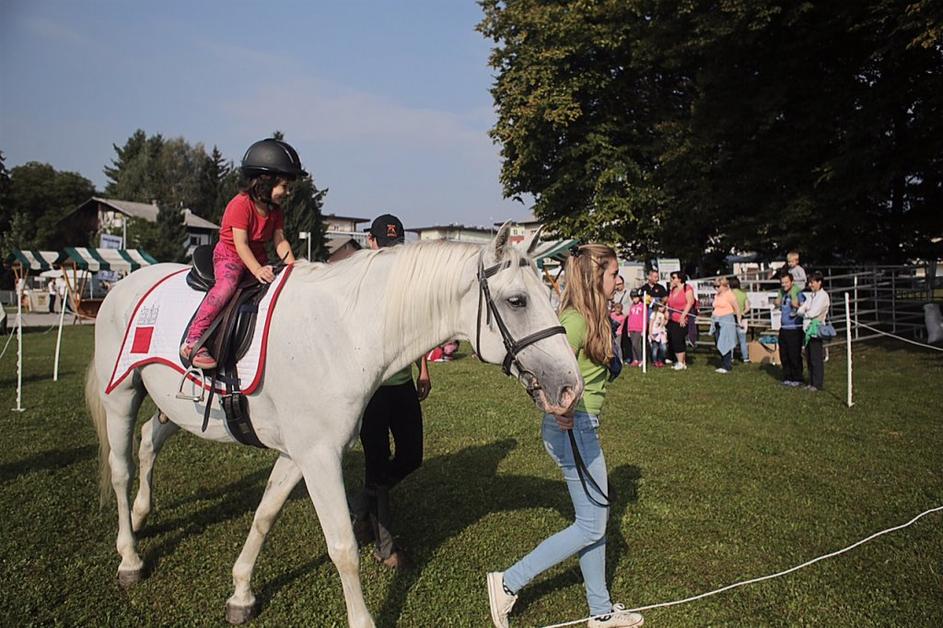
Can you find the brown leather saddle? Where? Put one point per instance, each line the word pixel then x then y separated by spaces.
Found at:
pixel 228 338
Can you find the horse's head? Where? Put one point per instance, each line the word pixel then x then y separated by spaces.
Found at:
pixel 513 324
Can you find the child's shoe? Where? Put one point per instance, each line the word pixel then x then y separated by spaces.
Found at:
pixel 201 359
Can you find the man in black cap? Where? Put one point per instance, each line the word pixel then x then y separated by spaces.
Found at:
pixel 393 409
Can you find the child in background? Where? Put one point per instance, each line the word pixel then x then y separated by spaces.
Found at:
pixel 636 322
pixel 658 335
pixel 618 318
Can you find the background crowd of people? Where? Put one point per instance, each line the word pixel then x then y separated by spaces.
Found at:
pixel 665 318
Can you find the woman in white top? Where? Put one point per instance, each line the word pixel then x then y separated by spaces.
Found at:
pixel 815 312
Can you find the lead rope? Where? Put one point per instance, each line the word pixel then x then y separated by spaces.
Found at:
pixel 584 473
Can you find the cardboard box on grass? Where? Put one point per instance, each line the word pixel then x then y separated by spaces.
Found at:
pixel 765 350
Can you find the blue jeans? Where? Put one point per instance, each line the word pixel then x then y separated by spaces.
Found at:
pixel 587 535
pixel 744 350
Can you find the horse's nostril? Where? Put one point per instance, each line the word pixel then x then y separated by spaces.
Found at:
pixel 566 396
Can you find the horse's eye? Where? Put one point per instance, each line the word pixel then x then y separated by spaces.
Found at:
pixel 517 302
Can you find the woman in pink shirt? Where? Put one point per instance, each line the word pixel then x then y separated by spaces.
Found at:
pixel 680 302
pixel 252 218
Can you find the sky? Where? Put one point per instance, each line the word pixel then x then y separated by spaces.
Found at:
pixel 387 101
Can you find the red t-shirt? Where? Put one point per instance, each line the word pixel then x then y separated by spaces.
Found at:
pixel 241 214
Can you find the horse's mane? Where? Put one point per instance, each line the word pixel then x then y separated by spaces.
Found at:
pixel 422 290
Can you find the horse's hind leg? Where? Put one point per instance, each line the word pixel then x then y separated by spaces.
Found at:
pixel 325 482
pixel 153 436
pixel 285 475
pixel 121 408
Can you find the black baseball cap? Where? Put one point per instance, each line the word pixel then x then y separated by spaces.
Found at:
pixel 387 230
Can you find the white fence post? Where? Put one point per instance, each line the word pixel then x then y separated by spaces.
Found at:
pixel 19 351
pixel 644 333
pixel 850 400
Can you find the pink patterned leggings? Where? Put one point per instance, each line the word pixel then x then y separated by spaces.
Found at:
pixel 228 268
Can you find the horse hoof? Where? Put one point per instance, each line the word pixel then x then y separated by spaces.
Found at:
pixel 129 578
pixel 238 614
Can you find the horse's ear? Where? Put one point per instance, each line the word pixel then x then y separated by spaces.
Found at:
pixel 531 242
pixel 501 243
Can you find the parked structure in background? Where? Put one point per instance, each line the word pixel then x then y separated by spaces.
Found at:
pixel 110 215
pixel 521 229
pixel 455 233
pixel 344 236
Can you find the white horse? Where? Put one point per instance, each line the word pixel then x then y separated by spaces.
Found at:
pixel 338 331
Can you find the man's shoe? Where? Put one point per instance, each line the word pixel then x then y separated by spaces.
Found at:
pixel 721 370
pixel 396 560
pixel 501 601
pixel 619 618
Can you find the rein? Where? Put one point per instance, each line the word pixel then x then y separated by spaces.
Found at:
pixel 511 346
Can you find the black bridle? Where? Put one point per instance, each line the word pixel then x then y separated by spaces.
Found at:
pixel 511 346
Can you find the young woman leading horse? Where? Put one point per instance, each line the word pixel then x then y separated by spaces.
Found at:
pixel 321 369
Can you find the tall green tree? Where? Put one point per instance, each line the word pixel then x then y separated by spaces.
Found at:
pixel 171 242
pixel 42 196
pixel 707 127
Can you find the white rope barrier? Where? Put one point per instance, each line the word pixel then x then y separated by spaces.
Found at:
pixel 762 578
pixel 913 342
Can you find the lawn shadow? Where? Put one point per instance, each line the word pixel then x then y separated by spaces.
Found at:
pixel 625 479
pixel 234 500
pixel 46 461
pixel 775 372
pixel 473 491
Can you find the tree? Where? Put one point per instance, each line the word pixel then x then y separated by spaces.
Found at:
pixel 43 196
pixel 171 242
pixel 706 127
pixel 166 171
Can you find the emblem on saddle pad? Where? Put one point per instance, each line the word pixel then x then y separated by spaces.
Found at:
pixel 144 328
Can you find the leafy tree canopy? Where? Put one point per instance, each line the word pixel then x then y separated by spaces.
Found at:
pixel 700 128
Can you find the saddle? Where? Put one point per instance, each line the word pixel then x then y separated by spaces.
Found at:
pixel 228 338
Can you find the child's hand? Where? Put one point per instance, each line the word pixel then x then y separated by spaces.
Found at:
pixel 265 274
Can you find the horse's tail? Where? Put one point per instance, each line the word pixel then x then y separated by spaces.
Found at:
pixel 96 410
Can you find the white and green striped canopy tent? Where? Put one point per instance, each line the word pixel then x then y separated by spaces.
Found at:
pixel 31 259
pixel 94 260
pixel 555 250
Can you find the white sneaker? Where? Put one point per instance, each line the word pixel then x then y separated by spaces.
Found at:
pixel 721 370
pixel 501 601
pixel 619 618
pixel 679 366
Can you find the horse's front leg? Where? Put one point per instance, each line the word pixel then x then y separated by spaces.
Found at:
pixel 285 475
pixel 153 436
pixel 321 466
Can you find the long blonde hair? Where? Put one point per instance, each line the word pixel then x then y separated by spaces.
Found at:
pixel 584 293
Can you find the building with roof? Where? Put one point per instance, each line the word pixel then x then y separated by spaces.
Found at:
pixel 343 228
pixel 455 233
pixel 110 215
pixel 341 247
pixel 521 229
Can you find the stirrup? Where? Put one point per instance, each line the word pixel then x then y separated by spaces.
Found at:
pixel 192 396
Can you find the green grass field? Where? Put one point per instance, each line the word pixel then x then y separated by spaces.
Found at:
pixel 720 479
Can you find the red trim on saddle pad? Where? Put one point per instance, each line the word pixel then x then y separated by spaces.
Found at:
pixel 142 339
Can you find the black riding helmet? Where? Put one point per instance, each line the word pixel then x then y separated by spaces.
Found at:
pixel 272 157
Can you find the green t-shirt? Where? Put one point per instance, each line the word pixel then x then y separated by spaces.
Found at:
pixel 400 377
pixel 594 375
pixel 741 297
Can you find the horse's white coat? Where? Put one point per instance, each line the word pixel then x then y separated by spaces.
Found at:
pixel 330 327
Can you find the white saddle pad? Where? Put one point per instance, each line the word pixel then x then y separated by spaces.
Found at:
pixel 155 331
